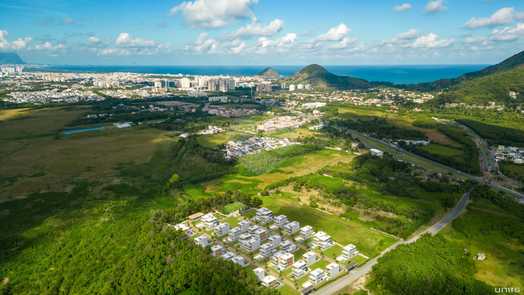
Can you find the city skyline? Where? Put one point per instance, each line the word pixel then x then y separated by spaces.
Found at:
pixel 262 32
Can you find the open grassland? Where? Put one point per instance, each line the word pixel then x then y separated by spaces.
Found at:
pixel 39 161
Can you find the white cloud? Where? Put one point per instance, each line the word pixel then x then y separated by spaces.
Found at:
pixel 3 39
pixel 336 33
pixel 126 40
pixel 214 13
pixel 287 40
pixel 49 46
pixel 204 44
pixel 431 40
pixel 403 7
pixel 435 6
pixel 343 44
pixel 93 40
pixel 408 35
pixel 238 47
pixel 508 33
pixel 257 29
pixel 500 17
pixel 114 51
pixel 20 43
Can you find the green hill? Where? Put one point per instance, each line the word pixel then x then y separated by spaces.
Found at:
pixel 269 73
pixel 501 86
pixel 501 83
pixel 10 58
pixel 320 78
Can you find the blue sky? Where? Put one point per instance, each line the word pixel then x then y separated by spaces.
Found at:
pixel 262 32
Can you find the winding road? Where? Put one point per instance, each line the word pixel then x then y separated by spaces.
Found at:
pixel 366 268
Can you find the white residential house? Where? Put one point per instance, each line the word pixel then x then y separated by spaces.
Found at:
pixel 299 269
pixel 234 234
pixel 349 251
pixel 307 287
pixel 217 250
pixel 244 225
pixel 250 244
pixel 282 260
pixel 275 240
pixel 270 282
pixel 222 229
pixel 291 227
pixel 260 273
pixel 264 215
pixel 202 241
pixel 267 249
pixel 261 233
pixel 310 257
pixel 322 240
pixel 333 269
pixel 317 276
pixel 306 232
pixel 281 220
pixel 240 261
pixel 209 220
pixel 288 246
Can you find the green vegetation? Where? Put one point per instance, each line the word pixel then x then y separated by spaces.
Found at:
pixel 462 154
pixel 515 171
pixel 496 134
pixel 429 266
pixel 268 161
pixel 447 264
pixel 320 78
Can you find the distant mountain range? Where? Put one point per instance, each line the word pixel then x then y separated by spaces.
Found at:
pixel 269 73
pixel 320 78
pixel 10 58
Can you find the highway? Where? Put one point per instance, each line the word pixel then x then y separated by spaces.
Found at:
pixel 366 268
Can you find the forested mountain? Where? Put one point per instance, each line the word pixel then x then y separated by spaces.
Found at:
pixel 319 77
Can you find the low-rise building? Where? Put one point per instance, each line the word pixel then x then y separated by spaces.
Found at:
pixel 310 257
pixel 267 250
pixel 333 269
pixel 209 220
pixel 307 287
pixel 291 227
pixel 376 153
pixel 288 246
pixel 260 273
pixel 217 250
pixel 322 240
pixel 202 241
pixel 234 234
pixel 349 251
pixel 264 215
pixel 282 260
pixel 306 232
pixel 270 282
pixel 317 276
pixel 240 260
pixel 281 220
pixel 299 269
pixel 222 229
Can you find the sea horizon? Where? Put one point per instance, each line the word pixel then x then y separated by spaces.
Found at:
pixel 398 74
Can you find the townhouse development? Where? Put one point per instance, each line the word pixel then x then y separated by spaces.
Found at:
pixel 281 252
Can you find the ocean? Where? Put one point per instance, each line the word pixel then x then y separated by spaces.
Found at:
pixel 405 74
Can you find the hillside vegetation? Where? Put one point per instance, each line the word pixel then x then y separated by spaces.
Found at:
pixel 319 77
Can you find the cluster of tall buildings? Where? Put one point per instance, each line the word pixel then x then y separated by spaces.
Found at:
pixel 6 70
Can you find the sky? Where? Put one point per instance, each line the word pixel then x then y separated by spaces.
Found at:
pixel 262 32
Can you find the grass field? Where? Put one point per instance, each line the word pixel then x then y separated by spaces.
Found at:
pixel 343 231
pixel 28 142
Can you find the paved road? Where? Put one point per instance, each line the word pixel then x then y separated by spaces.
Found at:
pixel 363 270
